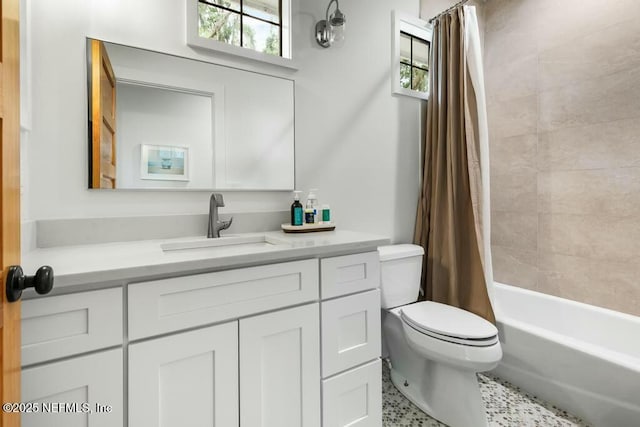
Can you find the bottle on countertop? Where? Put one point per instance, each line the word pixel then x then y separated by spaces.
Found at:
pixel 297 211
pixel 326 214
pixel 311 210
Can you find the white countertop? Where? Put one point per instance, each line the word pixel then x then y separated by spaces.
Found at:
pixel 103 264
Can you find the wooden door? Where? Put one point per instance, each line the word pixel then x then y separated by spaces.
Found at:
pixel 280 368
pixel 103 118
pixel 9 203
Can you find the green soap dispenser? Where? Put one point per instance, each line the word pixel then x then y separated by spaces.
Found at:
pixel 297 212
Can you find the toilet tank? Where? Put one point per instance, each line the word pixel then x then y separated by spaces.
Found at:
pixel 400 272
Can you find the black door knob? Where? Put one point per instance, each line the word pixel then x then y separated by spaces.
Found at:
pixel 17 281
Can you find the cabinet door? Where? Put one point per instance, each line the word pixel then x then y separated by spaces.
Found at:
pixel 353 398
pixel 67 393
pixel 188 379
pixel 280 369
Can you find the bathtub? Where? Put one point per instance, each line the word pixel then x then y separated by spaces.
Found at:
pixel 581 358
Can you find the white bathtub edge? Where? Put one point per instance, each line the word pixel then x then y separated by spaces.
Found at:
pixel 607 311
pixel 627 361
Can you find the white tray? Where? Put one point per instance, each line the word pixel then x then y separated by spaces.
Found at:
pixel 308 228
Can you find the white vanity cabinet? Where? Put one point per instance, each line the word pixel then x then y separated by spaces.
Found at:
pixel 286 344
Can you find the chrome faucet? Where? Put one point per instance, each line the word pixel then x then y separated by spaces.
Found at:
pixel 215 225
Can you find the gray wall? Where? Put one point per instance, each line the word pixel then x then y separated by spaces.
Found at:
pixel 563 90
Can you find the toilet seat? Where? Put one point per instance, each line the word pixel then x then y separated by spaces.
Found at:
pixel 448 323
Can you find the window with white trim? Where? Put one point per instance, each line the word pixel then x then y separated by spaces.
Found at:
pixel 254 29
pixel 411 49
pixel 253 24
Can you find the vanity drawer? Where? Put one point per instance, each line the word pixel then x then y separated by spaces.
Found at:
pixel 350 331
pixel 167 305
pixel 59 326
pixel 353 398
pixel 348 274
pixel 66 386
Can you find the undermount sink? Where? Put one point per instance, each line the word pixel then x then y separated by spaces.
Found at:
pixel 257 242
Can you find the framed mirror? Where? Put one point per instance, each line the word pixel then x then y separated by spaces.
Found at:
pixel 162 122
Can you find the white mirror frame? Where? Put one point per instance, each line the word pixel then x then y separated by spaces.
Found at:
pixel 416 27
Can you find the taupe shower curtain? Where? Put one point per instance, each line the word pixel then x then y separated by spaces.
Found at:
pixel 452 218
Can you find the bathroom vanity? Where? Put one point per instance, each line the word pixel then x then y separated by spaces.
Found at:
pixel 253 330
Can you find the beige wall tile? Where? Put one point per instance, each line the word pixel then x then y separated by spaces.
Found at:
pixel 508 25
pixel 515 193
pixel 603 145
pixel 514 230
pixel 513 117
pixel 595 55
pixel 564 20
pixel 501 48
pixel 599 192
pixel 515 267
pixel 627 297
pixel 514 155
pixel 510 16
pixel 555 284
pixel 613 97
pixel 612 285
pixel 599 237
pixel 513 79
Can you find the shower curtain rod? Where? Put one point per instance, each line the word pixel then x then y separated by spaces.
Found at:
pixel 460 3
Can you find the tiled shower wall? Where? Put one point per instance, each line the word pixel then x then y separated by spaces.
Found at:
pixel 563 96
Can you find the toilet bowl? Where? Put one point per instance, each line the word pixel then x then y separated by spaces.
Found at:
pixel 435 350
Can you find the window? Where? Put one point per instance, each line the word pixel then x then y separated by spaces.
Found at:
pixel 411 47
pixel 414 62
pixel 253 24
pixel 255 29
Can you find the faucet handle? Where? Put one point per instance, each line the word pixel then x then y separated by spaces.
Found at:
pixel 226 224
pixel 219 199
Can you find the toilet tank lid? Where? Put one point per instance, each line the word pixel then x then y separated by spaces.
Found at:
pixel 399 251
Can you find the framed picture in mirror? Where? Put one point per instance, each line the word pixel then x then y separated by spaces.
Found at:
pixel 164 162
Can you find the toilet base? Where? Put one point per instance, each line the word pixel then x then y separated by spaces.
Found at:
pixel 447 394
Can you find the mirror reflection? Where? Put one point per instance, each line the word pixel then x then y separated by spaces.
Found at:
pixel 158 121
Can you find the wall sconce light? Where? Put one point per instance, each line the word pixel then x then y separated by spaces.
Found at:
pixel 331 30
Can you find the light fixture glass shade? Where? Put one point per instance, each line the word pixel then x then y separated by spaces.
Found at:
pixel 337 34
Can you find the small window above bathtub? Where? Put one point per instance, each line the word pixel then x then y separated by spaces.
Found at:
pixel 254 29
pixel 410 56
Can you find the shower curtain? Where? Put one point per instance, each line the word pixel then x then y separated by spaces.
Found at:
pixel 453 217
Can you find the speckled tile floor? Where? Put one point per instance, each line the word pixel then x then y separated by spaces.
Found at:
pixel 507 406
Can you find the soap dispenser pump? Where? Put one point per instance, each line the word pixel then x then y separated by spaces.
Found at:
pixel 297 212
pixel 311 210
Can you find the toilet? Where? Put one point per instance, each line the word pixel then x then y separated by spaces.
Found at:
pixel 435 350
